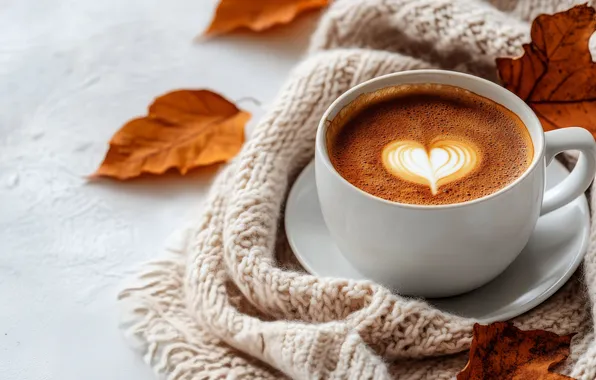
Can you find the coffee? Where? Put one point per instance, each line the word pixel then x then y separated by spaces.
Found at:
pixel 428 144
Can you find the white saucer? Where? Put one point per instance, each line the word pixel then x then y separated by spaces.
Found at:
pixel 553 253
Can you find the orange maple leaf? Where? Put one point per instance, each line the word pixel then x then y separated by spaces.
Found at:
pixel 501 351
pixel 258 15
pixel 183 129
pixel 556 75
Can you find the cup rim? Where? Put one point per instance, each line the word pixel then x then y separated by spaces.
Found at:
pixel 539 141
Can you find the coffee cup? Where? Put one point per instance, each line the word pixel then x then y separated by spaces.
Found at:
pixel 445 250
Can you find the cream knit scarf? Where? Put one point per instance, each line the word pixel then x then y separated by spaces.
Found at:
pixel 232 302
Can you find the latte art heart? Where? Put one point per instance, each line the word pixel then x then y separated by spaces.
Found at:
pixel 443 162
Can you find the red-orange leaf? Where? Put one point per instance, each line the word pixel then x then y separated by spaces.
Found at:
pixel 183 129
pixel 258 15
pixel 501 351
pixel 556 75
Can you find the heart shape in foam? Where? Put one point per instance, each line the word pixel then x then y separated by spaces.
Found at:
pixel 443 162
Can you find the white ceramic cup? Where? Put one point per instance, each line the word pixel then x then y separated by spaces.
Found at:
pixel 437 251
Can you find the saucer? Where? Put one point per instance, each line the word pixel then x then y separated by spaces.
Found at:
pixel 555 250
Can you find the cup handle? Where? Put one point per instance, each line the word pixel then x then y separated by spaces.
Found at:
pixel 582 175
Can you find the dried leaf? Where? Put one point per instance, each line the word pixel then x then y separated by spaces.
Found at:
pixel 556 75
pixel 501 351
pixel 258 15
pixel 183 129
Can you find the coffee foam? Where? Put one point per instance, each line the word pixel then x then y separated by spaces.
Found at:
pixel 441 163
pixel 428 144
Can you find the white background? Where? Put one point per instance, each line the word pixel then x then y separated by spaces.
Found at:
pixel 71 73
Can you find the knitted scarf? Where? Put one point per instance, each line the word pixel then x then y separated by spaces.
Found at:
pixel 230 301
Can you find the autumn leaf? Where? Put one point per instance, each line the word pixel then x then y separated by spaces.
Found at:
pixel 258 15
pixel 556 75
pixel 501 351
pixel 183 129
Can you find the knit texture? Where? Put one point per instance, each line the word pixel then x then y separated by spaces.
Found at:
pixel 230 301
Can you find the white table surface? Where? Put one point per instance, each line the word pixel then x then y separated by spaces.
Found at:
pixel 71 73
